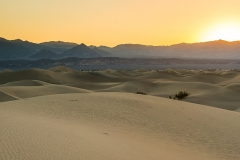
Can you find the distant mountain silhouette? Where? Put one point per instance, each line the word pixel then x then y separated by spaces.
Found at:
pixel 81 51
pixel 18 49
pixel 30 45
pixel 44 54
pixel 59 46
pixel 10 50
pixel 212 49
pixel 102 53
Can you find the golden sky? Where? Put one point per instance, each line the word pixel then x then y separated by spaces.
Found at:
pixel 112 22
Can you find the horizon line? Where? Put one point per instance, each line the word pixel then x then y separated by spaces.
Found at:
pixel 127 43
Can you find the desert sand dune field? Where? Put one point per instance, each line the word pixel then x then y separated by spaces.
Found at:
pixel 62 113
pixel 216 88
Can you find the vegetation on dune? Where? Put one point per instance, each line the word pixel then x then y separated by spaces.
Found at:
pixel 180 95
pixel 141 93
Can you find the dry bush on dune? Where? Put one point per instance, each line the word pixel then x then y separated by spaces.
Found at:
pixel 180 95
pixel 141 93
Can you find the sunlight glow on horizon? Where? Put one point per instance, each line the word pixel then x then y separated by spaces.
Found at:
pixel 113 22
pixel 229 31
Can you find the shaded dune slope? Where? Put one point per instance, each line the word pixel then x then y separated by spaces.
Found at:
pixel 24 83
pixel 34 91
pixel 6 97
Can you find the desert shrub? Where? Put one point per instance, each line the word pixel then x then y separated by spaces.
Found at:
pixel 181 95
pixel 141 93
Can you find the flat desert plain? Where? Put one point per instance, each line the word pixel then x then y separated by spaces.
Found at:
pixel 62 113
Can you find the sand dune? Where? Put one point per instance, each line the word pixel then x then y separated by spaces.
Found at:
pixel 62 69
pixel 6 97
pixel 25 91
pixel 24 83
pixel 116 126
pixel 217 88
pixel 65 114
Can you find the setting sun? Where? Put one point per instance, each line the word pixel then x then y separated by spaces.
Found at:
pixel 226 31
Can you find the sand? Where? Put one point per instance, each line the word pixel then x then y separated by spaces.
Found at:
pixel 116 126
pixel 216 88
pixel 65 114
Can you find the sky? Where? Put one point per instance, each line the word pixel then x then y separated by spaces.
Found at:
pixel 113 22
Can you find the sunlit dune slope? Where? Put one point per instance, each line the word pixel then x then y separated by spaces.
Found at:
pixel 116 126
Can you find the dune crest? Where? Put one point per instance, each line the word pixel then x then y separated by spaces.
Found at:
pixel 61 69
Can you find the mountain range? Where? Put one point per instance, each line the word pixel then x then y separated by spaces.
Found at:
pixel 44 54
pixel 81 51
pixel 213 49
pixel 19 49
pixel 59 46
